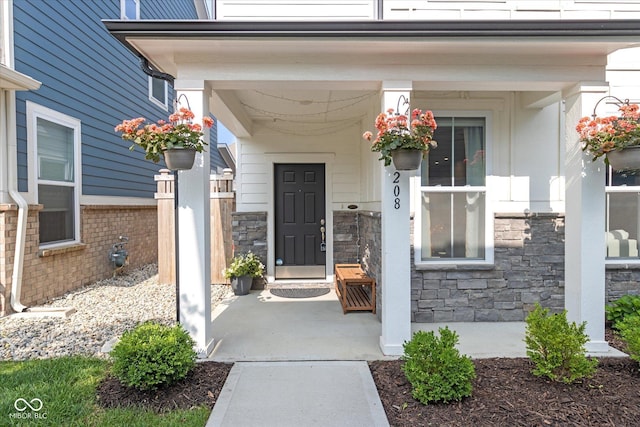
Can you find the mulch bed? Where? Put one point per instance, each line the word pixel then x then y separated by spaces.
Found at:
pixel 201 387
pixel 506 393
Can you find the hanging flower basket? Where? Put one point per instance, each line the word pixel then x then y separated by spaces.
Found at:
pixel 398 133
pixel 156 139
pixel 406 160
pixel 614 137
pixel 626 159
pixel 178 159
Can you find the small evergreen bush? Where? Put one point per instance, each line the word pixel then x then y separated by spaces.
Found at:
pixel 557 347
pixel 436 369
pixel 152 355
pixel 617 311
pixel 629 330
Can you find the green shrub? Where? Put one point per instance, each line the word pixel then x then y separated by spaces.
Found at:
pixel 436 369
pixel 557 347
pixel 629 330
pixel 624 306
pixel 152 355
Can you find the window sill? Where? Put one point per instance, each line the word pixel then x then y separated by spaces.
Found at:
pixel 458 266
pixel 61 249
pixel 628 264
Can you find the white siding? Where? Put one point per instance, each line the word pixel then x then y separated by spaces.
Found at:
pixel 510 9
pixel 623 73
pixel 292 10
pixel 268 10
pixel 255 156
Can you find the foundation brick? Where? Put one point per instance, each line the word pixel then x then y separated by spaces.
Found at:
pixel 61 271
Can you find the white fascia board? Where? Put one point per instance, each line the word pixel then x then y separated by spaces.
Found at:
pixel 11 79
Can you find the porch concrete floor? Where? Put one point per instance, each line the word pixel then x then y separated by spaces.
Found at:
pixel 263 327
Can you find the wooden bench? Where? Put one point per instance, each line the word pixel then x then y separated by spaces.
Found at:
pixel 356 291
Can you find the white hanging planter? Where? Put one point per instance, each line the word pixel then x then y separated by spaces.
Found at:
pixel 627 159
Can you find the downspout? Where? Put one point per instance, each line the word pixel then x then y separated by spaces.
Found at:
pixel 148 70
pixel 23 207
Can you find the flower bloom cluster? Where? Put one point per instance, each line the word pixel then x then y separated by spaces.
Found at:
pixel 395 132
pixel 602 135
pixel 155 138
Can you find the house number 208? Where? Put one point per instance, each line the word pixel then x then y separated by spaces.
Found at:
pixel 396 190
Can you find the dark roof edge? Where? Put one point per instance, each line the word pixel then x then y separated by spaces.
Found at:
pixel 373 29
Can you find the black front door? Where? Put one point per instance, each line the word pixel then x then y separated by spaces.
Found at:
pixel 300 226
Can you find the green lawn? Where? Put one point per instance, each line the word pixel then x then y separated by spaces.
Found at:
pixel 67 389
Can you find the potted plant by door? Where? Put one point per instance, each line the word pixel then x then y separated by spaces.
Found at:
pixel 177 140
pixel 404 142
pixel 242 270
pixel 617 138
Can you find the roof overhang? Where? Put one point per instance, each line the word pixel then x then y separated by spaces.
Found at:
pixel 237 59
pixel 576 42
pixel 11 79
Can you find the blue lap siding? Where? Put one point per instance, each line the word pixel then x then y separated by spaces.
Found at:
pixel 88 75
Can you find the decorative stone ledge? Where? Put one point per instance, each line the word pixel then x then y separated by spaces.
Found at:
pixel 119 207
pixel 6 207
pixel 622 266
pixel 454 267
pixel 524 215
pixel 61 250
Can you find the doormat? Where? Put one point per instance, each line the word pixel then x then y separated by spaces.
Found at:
pixel 299 292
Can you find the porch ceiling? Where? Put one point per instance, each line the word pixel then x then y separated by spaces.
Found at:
pixel 313 77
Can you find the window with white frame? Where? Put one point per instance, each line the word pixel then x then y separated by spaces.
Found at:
pixel 453 196
pixel 158 91
pixel 56 166
pixel 623 214
pixel 130 9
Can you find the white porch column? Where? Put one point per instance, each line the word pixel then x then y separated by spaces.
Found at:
pixel 194 240
pixel 396 263
pixel 585 248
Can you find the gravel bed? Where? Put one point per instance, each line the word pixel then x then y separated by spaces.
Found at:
pixel 104 310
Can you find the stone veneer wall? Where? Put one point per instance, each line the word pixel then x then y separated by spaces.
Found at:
pixel 528 268
pixel 346 235
pixel 371 251
pixel 357 239
pixel 53 272
pixel 249 233
pixel 621 280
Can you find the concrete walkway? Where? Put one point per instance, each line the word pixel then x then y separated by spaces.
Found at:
pixel 302 362
pixel 299 394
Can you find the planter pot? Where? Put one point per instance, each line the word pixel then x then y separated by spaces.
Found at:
pixel 179 158
pixel 627 159
pixel 406 160
pixel 241 285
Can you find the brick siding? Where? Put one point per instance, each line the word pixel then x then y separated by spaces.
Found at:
pixel 51 273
